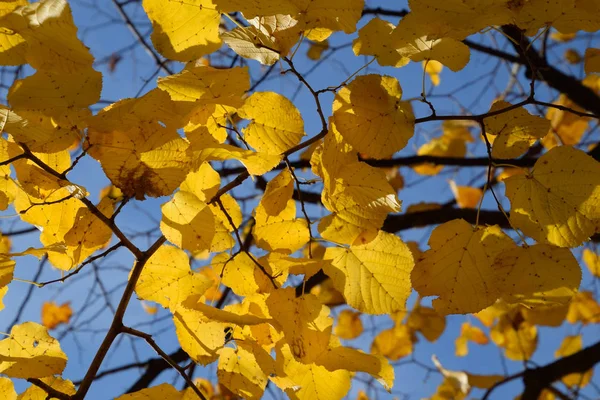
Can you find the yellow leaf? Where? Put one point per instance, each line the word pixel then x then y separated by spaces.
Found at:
pixel 195 302
pixel 240 371
pixel 484 381
pixel 373 277
pixel 537 275
pixel 458 267
pixel 468 333
pixel 190 224
pixel 276 124
pixel 304 322
pixel 167 278
pixel 265 39
pixel 160 392
pixel 206 85
pixel 546 315
pixel 50 37
pixel 279 191
pixel 54 315
pixel 331 14
pixel 359 195
pixel 427 321
pixel 516 130
pixel 12 45
pixel 149 308
pixel 283 232
pixel 447 51
pixel 39 132
pixel 327 294
pixel 370 116
pixel 444 146
pixel 87 235
pixel 566 128
pixel 433 68
pixel 199 337
pixel 310 381
pixel 349 326
pixel 516 336
pixel 466 196
pixel 137 143
pixel 3 291
pixel 184 31
pixel 316 49
pixel 592 261
pixel 29 352
pixel 55 382
pixel 592 60
pixel 394 343
pixel 583 308
pixel 356 361
pixel 453 18
pixel 7 389
pixel 557 203
pixel 571 345
pixel 375 39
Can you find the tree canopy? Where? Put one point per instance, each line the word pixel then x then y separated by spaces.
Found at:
pixel 304 197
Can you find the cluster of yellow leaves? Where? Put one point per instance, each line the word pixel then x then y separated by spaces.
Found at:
pixel 283 337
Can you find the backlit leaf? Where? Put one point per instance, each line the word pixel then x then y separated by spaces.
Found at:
pixel 373 277
pixel 458 267
pixel 557 202
pixel 29 352
pixel 370 116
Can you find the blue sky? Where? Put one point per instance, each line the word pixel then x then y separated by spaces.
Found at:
pixel 102 30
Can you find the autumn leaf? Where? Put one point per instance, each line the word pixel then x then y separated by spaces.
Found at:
pixel 54 315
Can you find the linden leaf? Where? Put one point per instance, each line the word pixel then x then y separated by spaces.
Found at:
pixel 427 321
pixel 592 261
pixel 572 344
pixel 51 42
pixel 516 336
pixel 55 382
pixel 7 389
pixel 433 68
pixel 199 337
pixel 557 202
pixel 29 352
pixel 54 315
pixel 370 116
pixel 592 60
pixel 160 392
pixel 458 267
pixel 310 381
pixel 359 195
pixel 304 322
pixel 330 14
pixel 282 232
pixel 167 278
pixel 466 196
pixel 12 45
pixel 276 124
pixel 207 85
pixel 445 146
pixel 241 373
pixel 194 302
pixel 583 308
pixel 516 130
pixel 373 277
pixel 354 360
pixel 537 275
pixel 469 333
pixel 349 326
pixel 375 39
pixel 567 128
pixel 137 143
pixel 394 343
pixel 266 39
pixel 184 31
